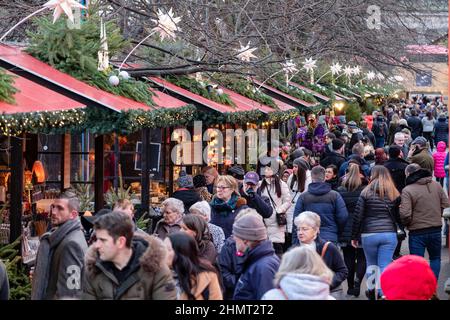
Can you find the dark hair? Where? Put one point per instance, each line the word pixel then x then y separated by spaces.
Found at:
pixel 334 168
pixel 200 226
pixel 276 180
pixel 300 178
pixel 186 262
pixel 199 181
pixel 429 115
pixel 118 224
pixel 394 151
pixel 318 174
pixel 331 135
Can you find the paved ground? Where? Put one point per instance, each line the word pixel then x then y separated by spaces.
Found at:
pixel 443 276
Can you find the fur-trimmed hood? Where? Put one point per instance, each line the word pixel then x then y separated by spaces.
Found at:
pixel 150 248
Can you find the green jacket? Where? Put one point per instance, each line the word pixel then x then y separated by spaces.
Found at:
pixel 423 159
pixel 149 277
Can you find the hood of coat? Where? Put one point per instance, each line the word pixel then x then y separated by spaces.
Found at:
pixel 421 176
pixel 265 248
pixel 319 188
pixel 299 286
pixel 442 119
pixel 441 146
pixel 149 252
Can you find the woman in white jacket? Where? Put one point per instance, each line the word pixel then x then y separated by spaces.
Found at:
pixel 278 193
pixel 298 183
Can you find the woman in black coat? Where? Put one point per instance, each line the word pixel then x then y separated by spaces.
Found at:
pixel 354 258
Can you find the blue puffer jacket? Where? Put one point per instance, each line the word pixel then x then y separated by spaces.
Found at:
pixel 328 204
pixel 260 266
pixel 441 131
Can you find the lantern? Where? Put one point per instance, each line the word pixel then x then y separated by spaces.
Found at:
pixel 39 171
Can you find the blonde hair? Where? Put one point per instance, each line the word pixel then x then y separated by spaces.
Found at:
pixel 303 260
pixel 122 204
pixel 382 184
pixel 210 170
pixel 230 181
pixel 352 179
pixel 395 118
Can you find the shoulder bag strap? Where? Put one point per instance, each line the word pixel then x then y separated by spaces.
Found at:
pixel 283 293
pixel 324 249
pixel 271 200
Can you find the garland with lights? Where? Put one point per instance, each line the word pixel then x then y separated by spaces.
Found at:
pixel 246 89
pixel 282 116
pixel 7 89
pixel 196 87
pixel 74 51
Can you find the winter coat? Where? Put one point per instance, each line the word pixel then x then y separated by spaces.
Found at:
pixel 422 202
pixel 4 283
pixel 333 259
pixel 230 266
pixel 300 286
pixel 260 204
pixel 163 229
pixel 416 126
pixel 427 124
pixel 423 159
pixel 188 196
pixel 367 133
pixel 397 168
pixel 334 158
pixel 328 204
pixel 380 129
pixel 371 215
pixel 60 263
pixel 280 205
pixel 334 183
pixel 365 166
pixel 441 131
pixel 294 197
pixel 391 132
pixel 350 198
pixel 439 159
pixel 148 277
pixel 207 287
pixel 223 214
pixel 208 251
pixel 259 269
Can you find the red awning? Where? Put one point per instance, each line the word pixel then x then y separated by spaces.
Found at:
pixel 240 106
pixel 314 93
pixel 283 106
pixel 241 100
pixel 293 99
pixel 34 97
pixel 26 62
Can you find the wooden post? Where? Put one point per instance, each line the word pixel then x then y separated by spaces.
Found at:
pixel 16 188
pixel 99 172
pixel 145 170
pixel 65 161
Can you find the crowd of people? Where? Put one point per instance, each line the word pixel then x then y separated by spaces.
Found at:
pixel 298 227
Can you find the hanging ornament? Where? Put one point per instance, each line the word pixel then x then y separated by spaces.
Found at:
pixel 336 68
pixel 114 80
pixel 103 53
pixel 63 6
pixel 356 70
pixel 246 53
pixel 380 76
pixel 124 75
pixel 166 24
pixel 370 75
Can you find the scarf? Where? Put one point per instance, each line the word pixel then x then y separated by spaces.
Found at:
pixel 222 207
pixel 49 241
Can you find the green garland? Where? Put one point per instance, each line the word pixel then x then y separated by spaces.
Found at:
pixel 7 89
pixel 294 92
pixel 246 89
pixel 196 87
pixel 74 51
pixel 321 89
pixel 282 116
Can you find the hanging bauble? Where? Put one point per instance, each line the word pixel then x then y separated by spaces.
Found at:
pixel 114 80
pixel 124 75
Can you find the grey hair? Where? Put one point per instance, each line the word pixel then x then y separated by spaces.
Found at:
pixel 318 174
pixel 303 260
pixel 311 218
pixel 72 199
pixel 398 134
pixel 174 204
pixel 411 168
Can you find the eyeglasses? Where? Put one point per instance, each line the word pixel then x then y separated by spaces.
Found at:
pixel 222 187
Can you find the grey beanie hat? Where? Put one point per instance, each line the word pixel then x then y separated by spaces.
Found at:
pixel 299 162
pixel 250 227
pixel 185 181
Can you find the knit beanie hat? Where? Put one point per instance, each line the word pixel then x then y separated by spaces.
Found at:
pixel 408 278
pixel 337 144
pixel 421 141
pixel 299 162
pixel 185 181
pixel 202 207
pixel 237 172
pixel 250 227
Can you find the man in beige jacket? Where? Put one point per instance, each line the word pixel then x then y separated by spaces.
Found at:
pixel 421 212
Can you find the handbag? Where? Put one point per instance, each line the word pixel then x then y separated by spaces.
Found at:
pixel 280 217
pixel 401 234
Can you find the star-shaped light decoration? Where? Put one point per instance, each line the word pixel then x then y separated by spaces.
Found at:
pixel 309 64
pixel 370 75
pixel 246 53
pixel 289 67
pixel 380 76
pixel 63 6
pixel 348 71
pixel 357 70
pixel 336 68
pixel 398 78
pixel 166 24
